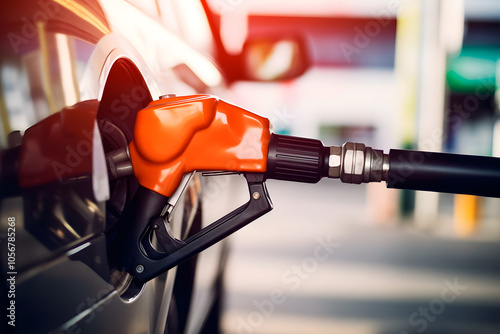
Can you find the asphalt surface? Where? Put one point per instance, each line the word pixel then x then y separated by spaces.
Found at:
pixel 318 264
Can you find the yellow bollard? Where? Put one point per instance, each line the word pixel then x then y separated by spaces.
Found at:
pixel 466 214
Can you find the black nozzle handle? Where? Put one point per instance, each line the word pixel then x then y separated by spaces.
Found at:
pixel 124 240
pixel 444 172
pixel 297 159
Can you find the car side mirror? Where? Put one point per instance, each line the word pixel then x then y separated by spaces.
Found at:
pixel 271 59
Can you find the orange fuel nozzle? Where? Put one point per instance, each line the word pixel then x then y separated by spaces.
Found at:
pixel 177 135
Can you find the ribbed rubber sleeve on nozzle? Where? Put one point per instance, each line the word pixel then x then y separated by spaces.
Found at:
pixel 297 159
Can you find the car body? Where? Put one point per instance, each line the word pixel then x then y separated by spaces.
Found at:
pixel 116 56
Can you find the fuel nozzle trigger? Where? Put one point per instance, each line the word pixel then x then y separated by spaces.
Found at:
pixel 133 248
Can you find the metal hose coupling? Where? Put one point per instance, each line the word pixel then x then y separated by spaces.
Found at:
pixel 356 163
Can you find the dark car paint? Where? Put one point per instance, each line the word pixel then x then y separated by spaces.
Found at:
pixel 63 284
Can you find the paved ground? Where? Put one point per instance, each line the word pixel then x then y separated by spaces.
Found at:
pixel 316 265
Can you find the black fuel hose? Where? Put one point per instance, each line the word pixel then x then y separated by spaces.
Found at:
pixel 444 172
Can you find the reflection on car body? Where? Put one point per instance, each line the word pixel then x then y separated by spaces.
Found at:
pixel 116 57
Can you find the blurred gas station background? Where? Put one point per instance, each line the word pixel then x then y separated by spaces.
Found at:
pixel 390 74
pixel 333 257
